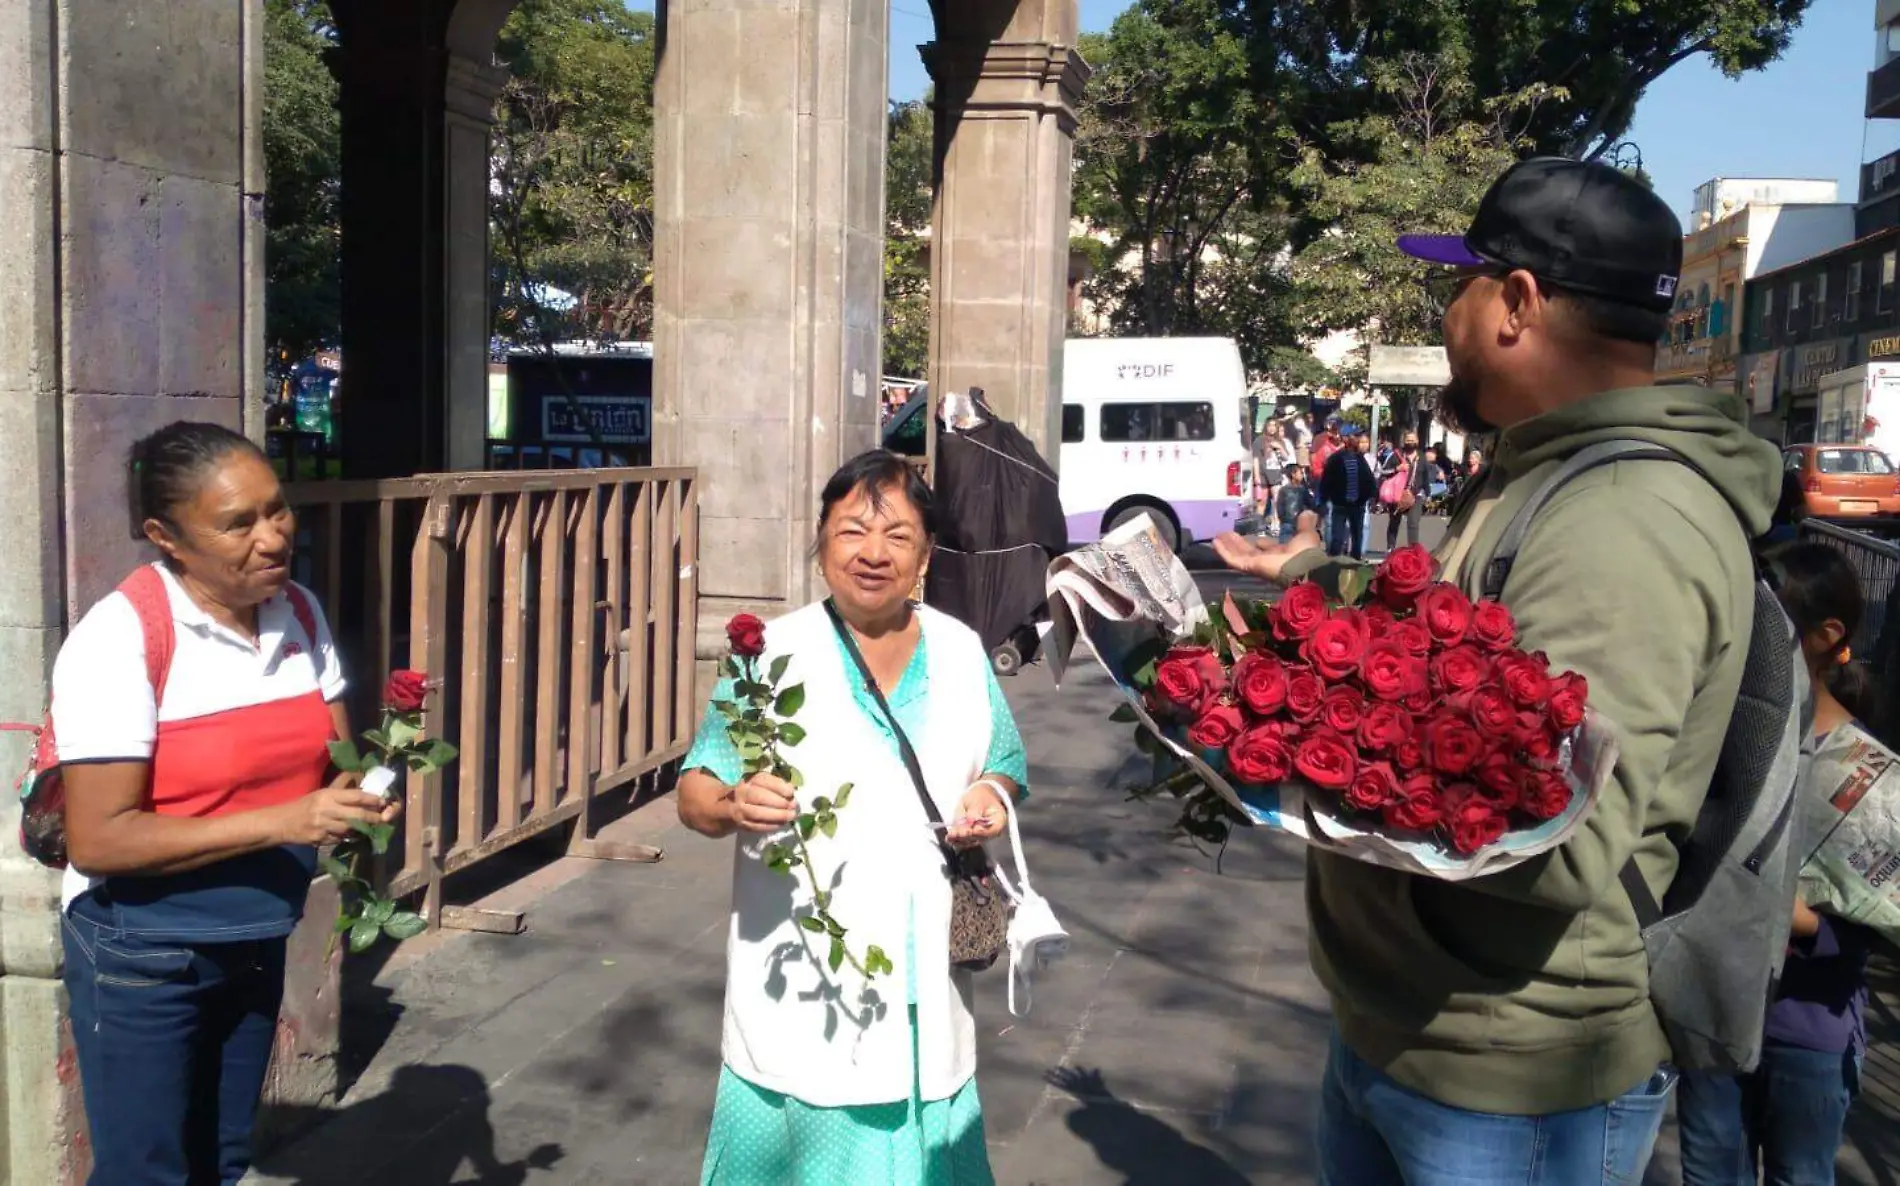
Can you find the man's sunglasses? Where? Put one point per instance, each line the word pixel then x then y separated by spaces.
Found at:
pixel 1443 287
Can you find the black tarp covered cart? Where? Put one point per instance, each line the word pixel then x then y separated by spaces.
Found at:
pixel 1000 523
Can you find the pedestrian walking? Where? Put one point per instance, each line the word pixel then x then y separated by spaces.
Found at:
pixel 1783 1121
pixel 822 1085
pixel 1347 487
pixel 1403 488
pixel 196 798
pixel 1272 455
pixel 1502 1029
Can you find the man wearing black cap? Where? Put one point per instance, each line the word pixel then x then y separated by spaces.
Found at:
pixel 1500 1029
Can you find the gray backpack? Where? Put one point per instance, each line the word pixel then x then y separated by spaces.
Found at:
pixel 1717 938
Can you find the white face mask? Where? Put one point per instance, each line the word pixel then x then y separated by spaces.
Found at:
pixel 1035 938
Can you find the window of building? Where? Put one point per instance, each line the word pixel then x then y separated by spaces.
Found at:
pixel 1820 300
pixel 1071 423
pixel 1883 299
pixel 1767 312
pixel 1702 297
pixel 1794 304
pixel 1850 300
pixel 1157 422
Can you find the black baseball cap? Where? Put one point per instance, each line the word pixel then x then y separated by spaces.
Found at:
pixel 1580 225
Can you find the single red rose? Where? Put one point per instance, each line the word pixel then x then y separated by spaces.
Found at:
pixel 1417 696
pixel 1539 744
pixel 745 634
pixel 1260 755
pixel 1492 626
pixel 1379 620
pixel 1409 754
pixel 1190 678
pixel 1476 823
pixel 1260 683
pixel 1569 694
pixel 1492 712
pixel 1374 786
pixel 1386 670
pixel 1404 574
pixel 1218 726
pixel 1334 649
pixel 1326 760
pixel 1543 794
pixel 1452 746
pixel 1383 726
pixel 406 691
pixel 1500 779
pixel 1304 692
pixel 1410 633
pixel 1416 807
pixel 1300 611
pixel 1526 678
pixel 1446 613
pixel 1458 669
pixel 1342 709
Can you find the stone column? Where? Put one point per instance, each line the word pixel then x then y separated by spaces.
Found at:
pixel 130 296
pixel 1007 81
pixel 769 167
pixel 472 90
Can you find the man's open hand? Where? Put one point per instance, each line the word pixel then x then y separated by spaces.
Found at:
pixel 1264 559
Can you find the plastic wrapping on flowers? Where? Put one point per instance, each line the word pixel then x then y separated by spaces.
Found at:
pixel 1393 720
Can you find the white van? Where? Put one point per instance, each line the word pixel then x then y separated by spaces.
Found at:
pixel 1153 426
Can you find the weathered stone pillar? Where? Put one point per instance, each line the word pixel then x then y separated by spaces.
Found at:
pixel 769 167
pixel 472 89
pixel 1007 81
pixel 131 175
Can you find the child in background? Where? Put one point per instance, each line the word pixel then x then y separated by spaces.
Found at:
pixel 1294 499
pixel 1784 1120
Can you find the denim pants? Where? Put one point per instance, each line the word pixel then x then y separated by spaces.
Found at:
pixel 1785 1117
pixel 1347 536
pixel 1373 1132
pixel 173 1041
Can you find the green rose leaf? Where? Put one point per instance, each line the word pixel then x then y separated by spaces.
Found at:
pixel 844 796
pixel 875 961
pixel 346 757
pixel 344 921
pixel 729 667
pixel 403 732
pixel 831 925
pixel 791 775
pixel 363 935
pixel 828 824
pixel 1124 714
pixel 379 834
pixel 377 739
pixel 790 701
pixel 791 734
pixel 439 753
pixel 812 925
pixel 821 805
pixel 726 709
pixel 405 924
pixel 1353 583
pixel 337 869
pixel 778 667
pixel 836 958
pixel 806 823
pixel 380 911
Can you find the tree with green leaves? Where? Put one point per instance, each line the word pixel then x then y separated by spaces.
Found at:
pixel 302 180
pixel 908 187
pixel 572 172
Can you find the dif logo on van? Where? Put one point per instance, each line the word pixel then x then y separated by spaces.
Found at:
pixel 1144 370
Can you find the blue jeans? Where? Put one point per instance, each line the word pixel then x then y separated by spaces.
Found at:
pixel 1347 533
pixel 1786 1117
pixel 173 1041
pixel 1373 1132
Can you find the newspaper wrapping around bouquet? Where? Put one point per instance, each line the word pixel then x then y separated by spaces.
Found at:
pixel 1852 821
pixel 1120 594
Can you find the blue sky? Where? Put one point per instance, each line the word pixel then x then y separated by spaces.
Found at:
pixel 1800 117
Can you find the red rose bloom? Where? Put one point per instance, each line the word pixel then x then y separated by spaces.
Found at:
pixel 1474 824
pixel 1539 743
pixel 1342 709
pixel 1452 746
pixel 1190 678
pixel 1378 618
pixel 1458 669
pixel 1386 670
pixel 1383 726
pixel 1543 794
pixel 1499 779
pixel 1300 611
pixel 406 691
pixel 1491 711
pixel 1412 636
pixel 1492 626
pixel 1374 786
pixel 1405 574
pixel 1416 807
pixel 1324 759
pixel 1217 727
pixel 1409 754
pixel 1260 682
pixel 745 634
pixel 1418 687
pixel 1526 678
pixel 1260 755
pixel 1569 694
pixel 1446 613
pixel 1304 692
pixel 1334 648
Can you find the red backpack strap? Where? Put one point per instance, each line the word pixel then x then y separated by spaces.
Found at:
pixel 306 617
pixel 145 589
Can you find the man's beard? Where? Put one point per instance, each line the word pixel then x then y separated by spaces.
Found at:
pixel 1458 408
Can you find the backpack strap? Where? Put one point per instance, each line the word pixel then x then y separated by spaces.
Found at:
pixel 1498 569
pixel 145 589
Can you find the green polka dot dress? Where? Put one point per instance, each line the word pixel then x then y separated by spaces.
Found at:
pixel 767 1138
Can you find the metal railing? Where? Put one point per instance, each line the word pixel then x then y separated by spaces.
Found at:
pixel 557 607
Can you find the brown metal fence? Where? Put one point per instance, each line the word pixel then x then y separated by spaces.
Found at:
pixel 558 608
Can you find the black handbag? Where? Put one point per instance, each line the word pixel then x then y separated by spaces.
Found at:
pixel 979 910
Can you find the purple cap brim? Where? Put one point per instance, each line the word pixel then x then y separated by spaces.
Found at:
pixel 1449 250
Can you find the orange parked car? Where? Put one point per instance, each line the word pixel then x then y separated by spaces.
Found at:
pixel 1843 481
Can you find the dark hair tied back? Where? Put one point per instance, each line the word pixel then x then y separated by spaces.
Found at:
pixel 167 468
pixel 1816 583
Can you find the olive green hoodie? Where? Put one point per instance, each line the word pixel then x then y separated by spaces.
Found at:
pixel 1527 992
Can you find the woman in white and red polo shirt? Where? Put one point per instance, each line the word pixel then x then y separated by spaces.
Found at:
pixel 193 810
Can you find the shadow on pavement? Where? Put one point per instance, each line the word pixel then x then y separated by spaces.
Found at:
pixel 1145 1150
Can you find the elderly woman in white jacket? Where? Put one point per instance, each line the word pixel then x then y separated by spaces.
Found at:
pixel 830 1079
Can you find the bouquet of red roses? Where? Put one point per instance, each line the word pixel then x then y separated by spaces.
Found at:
pixel 1394 719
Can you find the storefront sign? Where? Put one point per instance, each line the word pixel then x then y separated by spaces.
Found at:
pixel 614 419
pixel 1813 361
pixel 1887 347
pixel 1408 366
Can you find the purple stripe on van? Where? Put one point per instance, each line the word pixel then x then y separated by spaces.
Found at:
pixel 1201 520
